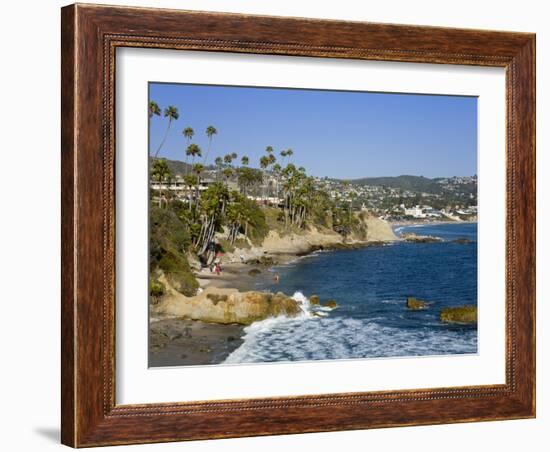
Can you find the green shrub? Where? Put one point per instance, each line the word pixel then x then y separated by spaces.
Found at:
pixel 156 288
pixel 178 272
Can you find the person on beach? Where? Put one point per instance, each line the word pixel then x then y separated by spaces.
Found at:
pixel 276 278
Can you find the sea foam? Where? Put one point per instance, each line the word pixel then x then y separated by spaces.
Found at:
pixel 313 337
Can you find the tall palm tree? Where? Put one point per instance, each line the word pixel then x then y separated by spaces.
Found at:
pixel 283 154
pixel 227 159
pixel 172 114
pixel 245 160
pixel 289 153
pixel 269 150
pixel 219 163
pixel 194 151
pixel 188 133
pixel 210 132
pixel 264 163
pixel 154 109
pixel 277 170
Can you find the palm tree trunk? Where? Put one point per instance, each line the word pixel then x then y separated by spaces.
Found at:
pixel 164 139
pixel 207 151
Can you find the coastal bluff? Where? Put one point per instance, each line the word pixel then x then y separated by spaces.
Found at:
pixel 226 306
pixel 314 238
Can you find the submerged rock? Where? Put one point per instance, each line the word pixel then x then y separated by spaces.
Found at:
pixel 330 304
pixel 415 304
pixel 460 314
pixel 462 240
pixel 254 272
pixel 314 299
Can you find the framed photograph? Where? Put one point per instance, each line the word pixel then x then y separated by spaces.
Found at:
pixel 282 225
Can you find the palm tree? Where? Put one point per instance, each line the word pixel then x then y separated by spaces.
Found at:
pixel 172 114
pixel 154 109
pixel 227 173
pixel 188 133
pixel 245 160
pixel 277 170
pixel 198 168
pixel 219 163
pixel 210 132
pixel 227 159
pixel 264 163
pixel 160 172
pixel 194 151
pixel 269 150
pixel 289 153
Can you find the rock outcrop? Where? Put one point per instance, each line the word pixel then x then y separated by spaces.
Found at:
pixel 460 314
pixel 228 306
pixel 314 299
pixel 415 304
pixel 330 304
pixel 412 237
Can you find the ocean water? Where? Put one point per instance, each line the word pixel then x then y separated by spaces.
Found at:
pixel 371 286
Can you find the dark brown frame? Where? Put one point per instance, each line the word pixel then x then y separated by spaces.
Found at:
pixel 90 35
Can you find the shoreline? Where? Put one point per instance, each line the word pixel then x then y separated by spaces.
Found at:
pixel 179 341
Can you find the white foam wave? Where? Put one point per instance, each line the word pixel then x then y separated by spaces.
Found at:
pixel 320 338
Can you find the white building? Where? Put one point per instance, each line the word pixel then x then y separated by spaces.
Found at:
pixel 415 212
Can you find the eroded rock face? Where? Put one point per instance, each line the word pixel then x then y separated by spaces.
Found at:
pixel 230 306
pixel 416 304
pixel 460 314
pixel 330 304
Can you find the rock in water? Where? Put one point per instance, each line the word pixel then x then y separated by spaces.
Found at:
pixel 412 237
pixel 460 314
pixel 462 240
pixel 314 299
pixel 254 272
pixel 330 304
pixel 415 304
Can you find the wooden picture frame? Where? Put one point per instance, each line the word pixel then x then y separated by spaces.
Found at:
pixel 90 36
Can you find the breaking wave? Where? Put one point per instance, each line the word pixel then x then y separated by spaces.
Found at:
pixel 315 335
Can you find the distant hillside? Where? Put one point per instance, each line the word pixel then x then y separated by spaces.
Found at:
pixel 412 183
pixel 180 168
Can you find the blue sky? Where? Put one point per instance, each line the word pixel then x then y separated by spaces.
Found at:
pixel 332 133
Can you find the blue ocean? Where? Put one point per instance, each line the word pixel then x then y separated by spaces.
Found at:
pixel 371 286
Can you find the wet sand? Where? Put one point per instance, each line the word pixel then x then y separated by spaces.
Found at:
pixel 180 342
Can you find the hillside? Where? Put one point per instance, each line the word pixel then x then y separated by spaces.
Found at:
pixel 406 182
pixel 180 168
